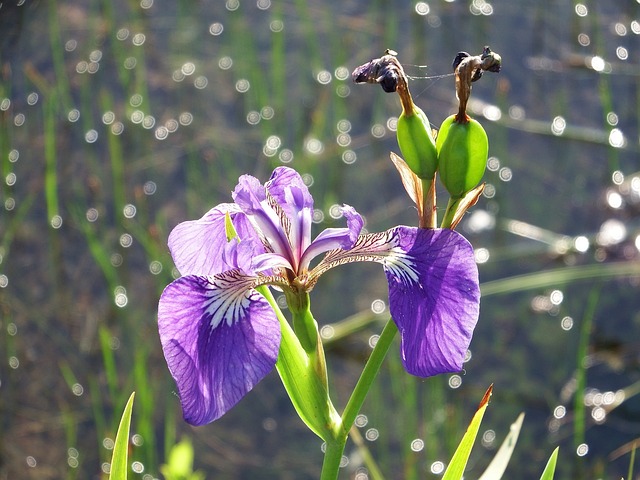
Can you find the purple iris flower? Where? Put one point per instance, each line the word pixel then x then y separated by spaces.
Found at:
pixel 219 335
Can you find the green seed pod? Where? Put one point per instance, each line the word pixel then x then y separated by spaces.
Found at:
pixel 416 143
pixel 462 155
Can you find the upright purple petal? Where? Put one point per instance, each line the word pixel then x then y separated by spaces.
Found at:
pixel 434 298
pixel 199 246
pixel 292 195
pixel 289 190
pixel 220 338
pixel 267 218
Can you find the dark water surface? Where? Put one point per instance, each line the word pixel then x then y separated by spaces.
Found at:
pixel 120 119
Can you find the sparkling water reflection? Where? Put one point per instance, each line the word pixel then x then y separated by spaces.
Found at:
pixel 153 119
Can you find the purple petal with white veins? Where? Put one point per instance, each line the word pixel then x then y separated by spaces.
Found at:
pixel 434 298
pixel 332 238
pixel 201 247
pixel 434 294
pixel 220 338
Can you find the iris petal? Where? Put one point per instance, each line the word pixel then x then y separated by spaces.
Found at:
pixel 434 294
pixel 332 238
pixel 198 246
pixel 292 195
pixel 220 338
pixel 434 298
pixel 266 217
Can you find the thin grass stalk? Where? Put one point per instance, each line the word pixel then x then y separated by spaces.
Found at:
pixel 50 158
pixel 99 253
pixel 277 69
pixel 632 461
pixel 98 409
pixel 5 147
pixel 109 363
pixel 117 46
pixel 116 160
pixel 605 93
pixel 63 88
pixel 409 407
pixel 13 222
pixel 560 276
pixel 433 431
pixel 70 424
pixel 579 418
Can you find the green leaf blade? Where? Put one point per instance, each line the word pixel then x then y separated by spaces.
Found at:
pixel 550 469
pixel 455 470
pixel 498 465
pixel 119 460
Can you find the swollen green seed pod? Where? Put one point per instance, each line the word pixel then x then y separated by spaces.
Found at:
pixel 416 143
pixel 462 155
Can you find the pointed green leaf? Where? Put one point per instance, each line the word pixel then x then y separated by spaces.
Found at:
pixel 550 469
pixel 119 460
pixel 229 229
pixel 498 465
pixel 455 470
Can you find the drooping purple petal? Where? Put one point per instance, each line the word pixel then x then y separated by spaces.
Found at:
pixel 220 338
pixel 200 247
pixel 434 295
pixel 331 238
pixel 434 298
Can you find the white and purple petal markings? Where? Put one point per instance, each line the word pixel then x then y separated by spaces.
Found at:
pixel 229 297
pixel 215 357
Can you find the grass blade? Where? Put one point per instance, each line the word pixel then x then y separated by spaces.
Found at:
pixel 631 462
pixel 498 465
pixel 455 470
pixel 119 461
pixel 550 469
pixel 559 276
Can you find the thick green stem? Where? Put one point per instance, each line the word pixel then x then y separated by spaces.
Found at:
pixel 332 459
pixel 368 375
pixel 334 450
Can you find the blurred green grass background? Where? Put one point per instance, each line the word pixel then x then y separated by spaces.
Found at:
pixel 120 119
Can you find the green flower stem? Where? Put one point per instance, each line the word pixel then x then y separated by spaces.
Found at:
pixel 307 388
pixel 450 212
pixel 332 459
pixel 368 375
pixel 334 450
